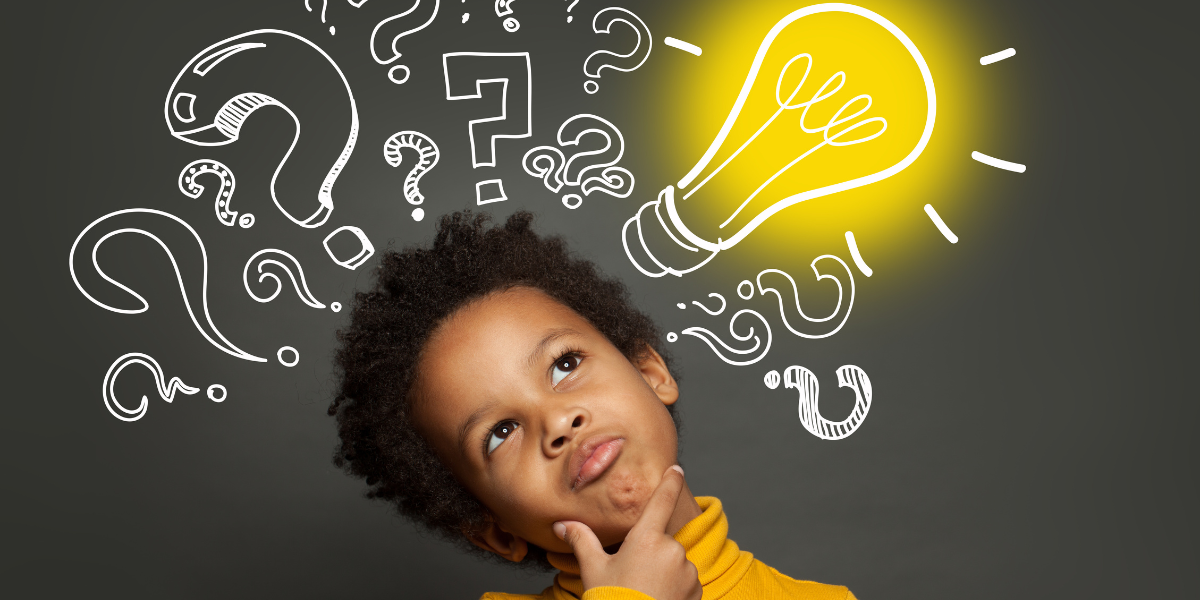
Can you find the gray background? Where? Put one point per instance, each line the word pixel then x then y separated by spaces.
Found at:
pixel 1032 429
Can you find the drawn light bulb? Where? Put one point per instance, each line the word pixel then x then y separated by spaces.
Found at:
pixel 836 97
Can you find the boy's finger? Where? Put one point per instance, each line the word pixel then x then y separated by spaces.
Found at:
pixel 662 504
pixel 583 542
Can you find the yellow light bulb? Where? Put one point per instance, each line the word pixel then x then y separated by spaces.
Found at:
pixel 837 97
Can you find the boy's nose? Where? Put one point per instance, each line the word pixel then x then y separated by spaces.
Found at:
pixel 562 428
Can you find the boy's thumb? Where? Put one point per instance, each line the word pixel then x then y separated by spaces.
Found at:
pixel 583 542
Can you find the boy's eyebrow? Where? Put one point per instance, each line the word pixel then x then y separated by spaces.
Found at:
pixel 469 424
pixel 554 334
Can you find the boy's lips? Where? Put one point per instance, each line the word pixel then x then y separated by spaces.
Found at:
pixel 593 457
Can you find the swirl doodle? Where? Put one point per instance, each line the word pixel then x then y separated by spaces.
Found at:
pixel 166 390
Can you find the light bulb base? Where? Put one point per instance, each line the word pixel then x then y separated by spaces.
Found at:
pixel 654 244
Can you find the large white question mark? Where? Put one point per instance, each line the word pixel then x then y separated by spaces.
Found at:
pixel 803 380
pixel 604 59
pixel 427 159
pixel 121 221
pixel 166 391
pixel 324 5
pixel 271 257
pixel 190 186
pixel 200 110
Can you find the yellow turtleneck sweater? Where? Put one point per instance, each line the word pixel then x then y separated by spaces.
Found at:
pixel 725 572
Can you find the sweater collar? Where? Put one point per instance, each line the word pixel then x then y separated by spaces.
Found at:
pixel 705 538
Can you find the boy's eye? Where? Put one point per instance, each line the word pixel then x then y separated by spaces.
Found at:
pixel 500 433
pixel 563 367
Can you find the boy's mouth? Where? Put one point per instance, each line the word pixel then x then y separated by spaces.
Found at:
pixel 593 457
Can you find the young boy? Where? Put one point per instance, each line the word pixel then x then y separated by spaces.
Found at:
pixel 504 394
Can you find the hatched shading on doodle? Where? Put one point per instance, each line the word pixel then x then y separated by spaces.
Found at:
pixel 427 158
pixel 803 381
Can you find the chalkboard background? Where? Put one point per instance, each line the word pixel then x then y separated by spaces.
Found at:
pixel 1032 430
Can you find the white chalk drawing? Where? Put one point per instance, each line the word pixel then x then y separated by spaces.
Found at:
pixel 121 221
pixel 591 170
pixel 400 73
pixel 803 380
pixel 503 9
pixel 706 309
pixel 324 5
pixel 681 305
pixel 771 379
pixel 605 59
pixel 749 287
pixel 998 56
pixel 854 254
pixel 264 51
pixel 672 337
pixel 999 164
pixel 278 258
pixel 335 306
pixel 489 191
pixel 940 224
pixel 427 158
pixel 841 303
pixel 573 3
pixel 639 251
pixel 190 186
pixel 682 45
pixel 366 249
pixel 166 389
pixel 728 353
pixel 465 18
pixel 288 363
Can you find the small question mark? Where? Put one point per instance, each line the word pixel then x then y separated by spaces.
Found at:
pixel 573 3
pixel 549 164
pixel 777 275
pixel 191 188
pixel 126 221
pixel 166 391
pixel 727 353
pixel 427 158
pixel 803 380
pixel 394 74
pixel 604 59
pixel 466 72
pixel 324 4
pixel 291 266
pixel 200 110
pixel 504 7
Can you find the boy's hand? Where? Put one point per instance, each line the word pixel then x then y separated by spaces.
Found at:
pixel 649 561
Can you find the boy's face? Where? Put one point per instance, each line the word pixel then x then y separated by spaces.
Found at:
pixel 540 417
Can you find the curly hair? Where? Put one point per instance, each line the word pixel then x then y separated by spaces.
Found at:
pixel 415 291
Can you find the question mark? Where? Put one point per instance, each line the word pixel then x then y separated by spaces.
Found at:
pixel 124 221
pixel 466 72
pixel 191 188
pixel 291 266
pixel 324 4
pixel 806 384
pixel 427 158
pixel 573 3
pixel 166 391
pixel 776 274
pixel 727 353
pixel 199 110
pixel 392 73
pixel 548 163
pixel 504 7
pixel 600 59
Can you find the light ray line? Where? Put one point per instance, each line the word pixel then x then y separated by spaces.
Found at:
pixel 997 57
pixel 941 225
pixel 999 164
pixel 858 260
pixel 682 45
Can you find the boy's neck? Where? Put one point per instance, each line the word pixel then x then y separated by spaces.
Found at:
pixel 686 509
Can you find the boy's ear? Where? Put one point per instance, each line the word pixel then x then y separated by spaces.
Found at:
pixel 496 540
pixel 658 377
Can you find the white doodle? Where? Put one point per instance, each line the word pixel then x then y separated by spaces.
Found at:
pixel 682 45
pixel 289 264
pixel 757 352
pixel 550 165
pixel 858 259
pixel 673 225
pixel 803 380
pixel 999 164
pixel 462 69
pixel 504 8
pixel 366 249
pixel 166 390
pixel 573 3
pixel 324 5
pixel 998 56
pixel 288 363
pixel 706 309
pixel 489 191
pixel 940 224
pixel 116 223
pixel 605 59
pixel 263 51
pixel 427 159
pixel 841 302
pixel 385 60
pixel 335 306
pixel 190 186
pixel 771 379
pixel 217 392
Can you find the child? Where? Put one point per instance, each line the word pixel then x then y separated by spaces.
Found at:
pixel 506 395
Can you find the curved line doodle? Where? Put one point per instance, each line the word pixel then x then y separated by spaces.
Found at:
pixel 291 267
pixel 396 39
pixel 192 189
pixel 225 125
pixel 533 163
pixel 600 59
pixel 763 290
pixel 803 380
pixel 709 337
pixel 712 312
pixel 166 390
pixel 549 163
pixel 503 8
pixel 427 159
pixel 113 222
